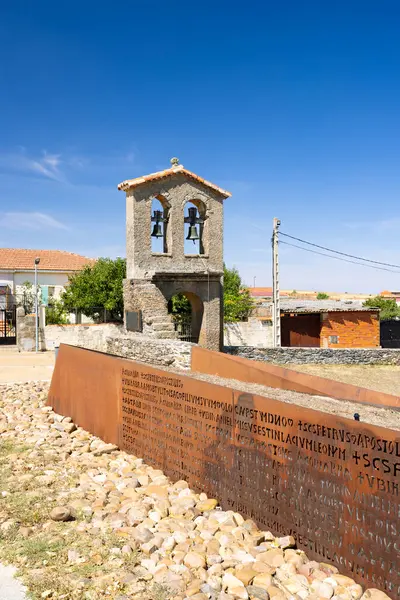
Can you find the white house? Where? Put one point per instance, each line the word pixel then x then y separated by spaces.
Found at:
pixel 17 265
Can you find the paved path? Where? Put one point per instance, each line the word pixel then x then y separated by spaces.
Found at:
pixel 25 366
pixel 10 588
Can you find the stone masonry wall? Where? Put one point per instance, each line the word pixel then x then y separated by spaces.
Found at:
pixel 254 332
pixel 301 356
pixel 173 192
pixel 166 353
pixel 154 277
pixel 113 339
pixel 81 335
pixel 26 332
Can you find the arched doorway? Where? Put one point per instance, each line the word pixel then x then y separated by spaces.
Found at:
pixel 186 310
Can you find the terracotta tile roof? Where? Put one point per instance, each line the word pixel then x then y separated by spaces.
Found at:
pixel 260 292
pixel 320 306
pixel 20 259
pixel 388 294
pixel 131 183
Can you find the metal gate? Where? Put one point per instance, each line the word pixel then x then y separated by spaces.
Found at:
pixel 390 333
pixel 8 325
pixel 183 327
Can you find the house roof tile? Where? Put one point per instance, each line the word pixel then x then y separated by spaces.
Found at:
pixel 179 169
pixel 321 306
pixel 260 292
pixel 21 259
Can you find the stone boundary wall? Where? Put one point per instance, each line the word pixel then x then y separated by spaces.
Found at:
pixel 113 339
pixel 253 332
pixel 166 353
pixel 87 335
pixel 322 356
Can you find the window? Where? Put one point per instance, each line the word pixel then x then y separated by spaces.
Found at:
pixel 159 221
pixel 194 221
pixel 333 339
pixel 51 291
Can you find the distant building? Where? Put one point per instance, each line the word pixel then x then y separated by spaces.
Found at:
pixel 17 266
pixel 263 293
pixel 329 324
pixel 260 292
pixel 309 323
pixel 391 296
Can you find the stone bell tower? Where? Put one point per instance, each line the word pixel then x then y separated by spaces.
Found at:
pixel 183 214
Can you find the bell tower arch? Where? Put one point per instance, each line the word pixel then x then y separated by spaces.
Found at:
pixel 188 257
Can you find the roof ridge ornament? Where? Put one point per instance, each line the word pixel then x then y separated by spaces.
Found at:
pixel 175 163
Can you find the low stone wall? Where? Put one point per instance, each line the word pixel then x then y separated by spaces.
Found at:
pixel 254 332
pixel 323 356
pixel 166 353
pixel 113 339
pixel 86 336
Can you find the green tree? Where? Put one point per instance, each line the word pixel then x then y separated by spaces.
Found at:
pixel 388 307
pixel 56 313
pixel 322 296
pixel 232 281
pixel 237 300
pixel 96 288
pixel 180 307
pixel 27 297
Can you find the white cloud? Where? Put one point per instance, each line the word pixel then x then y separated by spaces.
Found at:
pixel 68 168
pixel 34 221
pixel 46 165
pixel 53 160
pixel 379 225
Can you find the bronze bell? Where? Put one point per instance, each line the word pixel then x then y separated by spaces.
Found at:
pixel 157 231
pixel 193 235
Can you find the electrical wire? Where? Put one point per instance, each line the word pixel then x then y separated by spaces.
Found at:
pixel 376 262
pixel 337 257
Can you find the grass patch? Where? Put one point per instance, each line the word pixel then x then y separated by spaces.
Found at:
pixel 10 447
pixel 158 592
pixel 31 552
pixel 27 510
pixel 39 547
pixel 39 583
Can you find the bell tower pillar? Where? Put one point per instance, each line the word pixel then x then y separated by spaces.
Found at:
pixel 175 248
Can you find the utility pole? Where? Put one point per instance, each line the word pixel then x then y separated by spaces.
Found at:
pixel 276 309
pixel 37 261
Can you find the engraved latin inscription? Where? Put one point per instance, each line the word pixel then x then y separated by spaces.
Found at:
pixel 331 483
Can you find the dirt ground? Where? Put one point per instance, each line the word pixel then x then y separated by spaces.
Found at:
pixel 374 377
pixel 26 366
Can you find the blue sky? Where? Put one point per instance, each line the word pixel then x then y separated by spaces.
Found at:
pixel 292 106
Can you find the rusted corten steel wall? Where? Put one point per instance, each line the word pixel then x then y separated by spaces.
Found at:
pixel 330 482
pixel 250 371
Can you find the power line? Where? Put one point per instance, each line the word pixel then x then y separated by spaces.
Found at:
pixel 376 262
pixel 337 257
